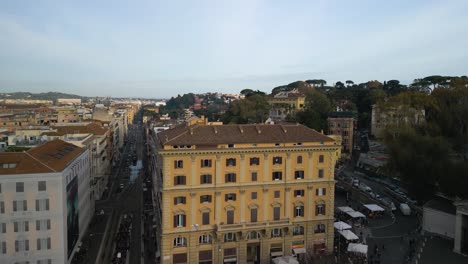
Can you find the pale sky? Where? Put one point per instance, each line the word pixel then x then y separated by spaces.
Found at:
pixel 160 49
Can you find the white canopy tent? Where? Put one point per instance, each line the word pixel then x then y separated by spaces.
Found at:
pixel 285 260
pixel 341 225
pixel 356 214
pixel 298 251
pixel 374 208
pixel 357 248
pixel 348 235
pixel 345 209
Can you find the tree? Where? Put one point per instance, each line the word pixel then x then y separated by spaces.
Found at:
pixel 349 83
pixel 374 84
pixel 339 85
pixel 252 109
pixel 315 112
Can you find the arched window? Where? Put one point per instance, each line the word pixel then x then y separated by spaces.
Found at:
pixel 229 237
pixel 180 242
pixel 204 239
pixel 299 160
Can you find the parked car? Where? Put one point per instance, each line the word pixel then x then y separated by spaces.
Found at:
pixel 405 209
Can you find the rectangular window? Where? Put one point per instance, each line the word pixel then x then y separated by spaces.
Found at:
pixel 0 188
pixel 277 194
pixel 206 218
pixel 205 199
pixel 41 186
pixel 230 145
pixel 21 226
pixel 254 161
pixel 253 175
pixel 320 191
pixel 230 217
pixel 178 164
pixel 205 163
pixel 230 177
pixel 179 180
pixel 320 228
pixel 205 179
pixel 19 206
pixel 179 220
pixel 276 213
pixel 298 175
pixel 230 197
pixel 299 211
pixel 299 193
pixel 320 209
pixel 230 162
pixel 253 195
pixel 3 228
pixel 20 187
pixel 277 160
pixel 42 205
pixel 321 158
pixel 43 243
pixel 4 248
pixel 320 173
pixel 21 245
pixel 2 207
pixel 253 215
pixel 179 200
pixel 277 175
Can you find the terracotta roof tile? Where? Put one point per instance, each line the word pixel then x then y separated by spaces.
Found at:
pixel 92 128
pixel 52 156
pixel 232 134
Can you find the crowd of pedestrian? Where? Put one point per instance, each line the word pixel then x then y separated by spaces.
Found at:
pixel 122 241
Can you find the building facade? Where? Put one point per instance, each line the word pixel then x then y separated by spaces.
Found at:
pixel 245 194
pixel 394 117
pixel 45 205
pixel 285 103
pixel 343 124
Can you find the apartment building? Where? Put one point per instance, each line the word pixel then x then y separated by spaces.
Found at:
pixel 394 117
pixel 244 193
pixel 343 124
pixel 45 205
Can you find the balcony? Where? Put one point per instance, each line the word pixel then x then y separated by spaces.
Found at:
pixel 254 225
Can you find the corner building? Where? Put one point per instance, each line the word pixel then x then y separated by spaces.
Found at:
pixel 245 193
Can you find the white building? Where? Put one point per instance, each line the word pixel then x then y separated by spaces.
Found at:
pixel 45 204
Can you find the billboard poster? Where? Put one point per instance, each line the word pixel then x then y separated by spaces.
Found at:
pixel 72 214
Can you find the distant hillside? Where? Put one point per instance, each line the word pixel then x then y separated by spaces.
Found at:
pixel 38 96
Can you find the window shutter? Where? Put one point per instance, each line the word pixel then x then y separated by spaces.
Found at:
pixel 16 245
pixel 15 226
pixel 317 192
pixel 38 244
pixel 184 218
pixel 175 200
pixel 206 218
pixel 48 243
pixel 175 220
pixel 38 225
pixel 26 226
pixel 175 163
pixel 276 213
pixel 25 205
pixel 225 197
pixel 14 206
pixel 226 178
pixel 48 224
pixel 201 163
pixel 234 177
pixel 253 215
pixel 27 245
pixel 47 204
pixel 324 191
pixel 209 198
pixel 37 205
pixel 316 210
pixel 324 209
pixel 234 198
pixel 183 180
pixel 230 217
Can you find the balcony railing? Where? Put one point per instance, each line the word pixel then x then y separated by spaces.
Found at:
pixel 254 225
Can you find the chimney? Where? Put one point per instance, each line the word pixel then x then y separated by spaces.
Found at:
pixel 191 131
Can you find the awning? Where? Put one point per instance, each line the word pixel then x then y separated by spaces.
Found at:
pixel 341 226
pixel 356 214
pixel 348 235
pixel 276 254
pixel 285 260
pixel 345 209
pixel 232 259
pixel 374 207
pixel 358 248
pixel 298 251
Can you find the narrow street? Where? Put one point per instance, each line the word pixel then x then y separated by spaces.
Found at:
pixel 125 199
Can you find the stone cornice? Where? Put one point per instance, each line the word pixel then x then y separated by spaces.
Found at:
pixel 189 152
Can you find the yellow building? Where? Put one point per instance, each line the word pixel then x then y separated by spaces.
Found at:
pixel 285 103
pixel 245 193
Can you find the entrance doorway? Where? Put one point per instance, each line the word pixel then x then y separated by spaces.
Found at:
pixel 253 253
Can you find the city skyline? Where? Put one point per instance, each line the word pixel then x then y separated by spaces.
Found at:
pixel 159 50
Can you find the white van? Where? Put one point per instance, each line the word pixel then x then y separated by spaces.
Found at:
pixel 405 209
